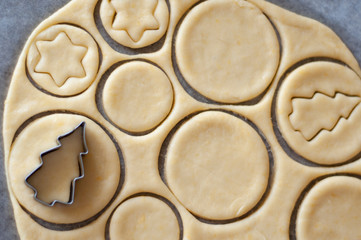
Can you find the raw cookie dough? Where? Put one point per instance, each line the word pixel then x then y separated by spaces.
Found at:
pixel 318 112
pixel 137 96
pixel 331 210
pixel 60 165
pixel 213 155
pixel 135 24
pixel 143 218
pixel 63 60
pixel 102 168
pixel 210 120
pixel 227 50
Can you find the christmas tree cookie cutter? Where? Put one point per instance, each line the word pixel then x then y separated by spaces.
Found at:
pixel 73 182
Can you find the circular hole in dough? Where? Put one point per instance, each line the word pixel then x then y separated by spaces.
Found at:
pixel 217 165
pixel 318 112
pixel 137 96
pixel 220 52
pixel 63 60
pixel 331 210
pixel 135 23
pixel 102 168
pixel 144 218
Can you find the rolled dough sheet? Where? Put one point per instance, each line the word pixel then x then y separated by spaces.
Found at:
pixel 217 119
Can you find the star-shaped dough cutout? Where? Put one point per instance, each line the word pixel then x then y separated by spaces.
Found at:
pixel 61 59
pixel 135 17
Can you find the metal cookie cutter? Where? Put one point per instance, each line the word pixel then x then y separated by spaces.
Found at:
pixel 80 162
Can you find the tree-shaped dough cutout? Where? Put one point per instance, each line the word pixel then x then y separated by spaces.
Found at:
pixel 321 112
pixel 53 181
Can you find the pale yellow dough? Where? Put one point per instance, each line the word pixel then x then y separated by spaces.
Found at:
pixel 59 168
pixel 65 45
pixel 137 96
pixel 144 218
pixel 214 154
pixel 331 210
pixel 221 54
pixel 235 165
pixel 101 165
pixel 331 114
pixel 135 23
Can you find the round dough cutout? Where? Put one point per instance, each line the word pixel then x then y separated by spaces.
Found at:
pixel 137 96
pixel 67 46
pixel 220 53
pixel 318 112
pixel 144 218
pixel 331 210
pixel 101 168
pixel 217 166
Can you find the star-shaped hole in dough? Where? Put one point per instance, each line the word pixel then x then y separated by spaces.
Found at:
pixel 135 17
pixel 61 59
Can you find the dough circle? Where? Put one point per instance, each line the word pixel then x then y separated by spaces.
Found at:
pixel 137 96
pixel 89 62
pixel 217 165
pixel 149 36
pixel 331 210
pixel 220 52
pixel 330 92
pixel 144 218
pixel 101 167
